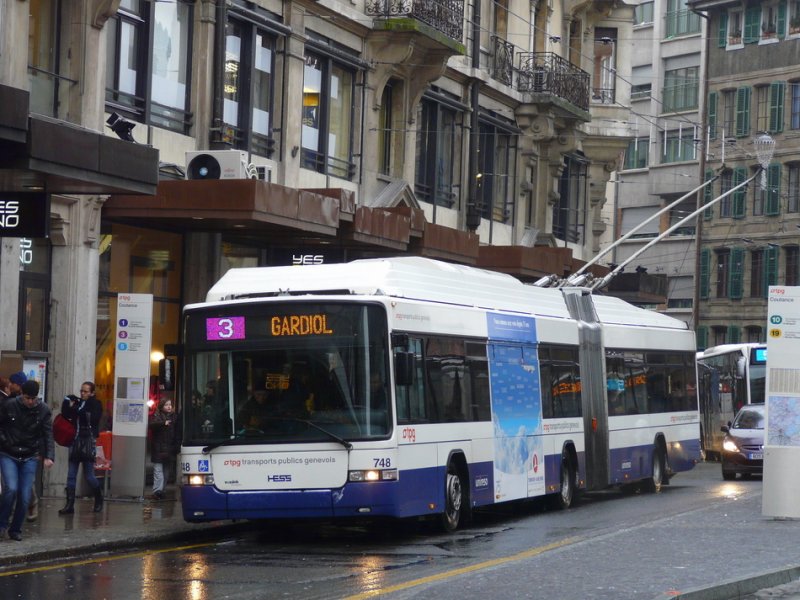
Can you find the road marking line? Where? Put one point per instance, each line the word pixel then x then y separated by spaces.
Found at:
pixel 90 561
pixel 463 570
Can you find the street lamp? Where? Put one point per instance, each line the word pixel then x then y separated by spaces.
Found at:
pixel 765 147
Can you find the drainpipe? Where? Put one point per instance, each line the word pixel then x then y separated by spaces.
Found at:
pixel 219 66
pixel 698 230
pixel 473 219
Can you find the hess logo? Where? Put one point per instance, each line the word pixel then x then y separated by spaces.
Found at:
pixel 9 213
pixel 277 478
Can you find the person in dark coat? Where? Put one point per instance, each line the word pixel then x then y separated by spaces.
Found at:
pixel 85 413
pixel 26 431
pixel 165 443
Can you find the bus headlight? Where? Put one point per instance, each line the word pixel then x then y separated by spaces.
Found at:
pixel 373 475
pixel 198 480
pixel 730 446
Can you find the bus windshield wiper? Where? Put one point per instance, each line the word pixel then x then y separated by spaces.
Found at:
pixel 241 435
pixel 330 434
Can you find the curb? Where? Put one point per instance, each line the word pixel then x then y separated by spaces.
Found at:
pixel 735 588
pixel 110 545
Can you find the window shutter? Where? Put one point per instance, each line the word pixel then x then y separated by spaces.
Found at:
pixel 739 176
pixel 708 196
pixel 736 274
pixel 743 111
pixel 701 334
pixel 722 32
pixel 773 203
pixel 752 25
pixel 777 91
pixel 712 115
pixel 770 268
pixel 781 22
pixel 705 261
pixel 734 334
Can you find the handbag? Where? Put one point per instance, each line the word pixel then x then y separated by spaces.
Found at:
pixel 63 430
pixel 84 448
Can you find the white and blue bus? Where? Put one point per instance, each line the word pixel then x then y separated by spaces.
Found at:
pixel 729 376
pixel 409 387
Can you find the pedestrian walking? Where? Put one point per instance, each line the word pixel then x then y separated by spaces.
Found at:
pixel 15 382
pixel 165 443
pixel 85 413
pixel 26 429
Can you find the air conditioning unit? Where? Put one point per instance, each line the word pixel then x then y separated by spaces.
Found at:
pixel 217 164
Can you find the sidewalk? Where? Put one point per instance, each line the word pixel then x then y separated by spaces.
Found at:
pixel 121 524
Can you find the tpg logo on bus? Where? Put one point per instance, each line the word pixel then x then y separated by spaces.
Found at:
pixel 410 434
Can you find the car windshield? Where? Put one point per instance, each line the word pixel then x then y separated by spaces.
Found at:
pixel 751 417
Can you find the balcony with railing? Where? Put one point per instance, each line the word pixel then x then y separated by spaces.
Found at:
pixel 548 73
pixel 502 60
pixel 443 16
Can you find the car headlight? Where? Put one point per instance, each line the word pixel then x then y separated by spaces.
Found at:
pixel 730 446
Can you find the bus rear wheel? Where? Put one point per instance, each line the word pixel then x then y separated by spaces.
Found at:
pixel 564 499
pixel 453 499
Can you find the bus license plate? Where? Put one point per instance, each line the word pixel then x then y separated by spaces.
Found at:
pixel 756 456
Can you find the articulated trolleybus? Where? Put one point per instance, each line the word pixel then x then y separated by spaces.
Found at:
pixel 408 387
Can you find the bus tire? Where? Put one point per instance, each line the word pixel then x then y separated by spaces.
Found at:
pixel 656 481
pixel 565 498
pixel 454 498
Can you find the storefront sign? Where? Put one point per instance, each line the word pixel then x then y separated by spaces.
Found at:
pixel 24 215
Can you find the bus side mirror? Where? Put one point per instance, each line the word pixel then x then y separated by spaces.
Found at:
pixel 741 363
pixel 403 368
pixel 166 374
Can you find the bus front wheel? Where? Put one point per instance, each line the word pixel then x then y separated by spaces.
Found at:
pixel 659 467
pixel 453 499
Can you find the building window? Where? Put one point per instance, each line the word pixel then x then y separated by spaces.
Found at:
pixel 438 168
pixel 726 183
pixel 728 113
pixel 720 333
pixel 795 105
pixel 643 13
pixel 639 215
pixel 753 334
pixel 680 20
pixel 723 272
pixel 794 17
pixel 33 320
pixel 680 89
pixel 385 120
pixel 762 107
pixel 569 214
pixel 792 275
pixel 757 273
pixel 327 116
pixel 637 154
pixel 248 87
pixel 149 57
pixel 604 74
pixel 752 24
pixel 793 190
pixel 159 35
pixel 769 20
pixel 497 156
pixel 43 61
pixel 680 212
pixel 735 19
pixel 678 146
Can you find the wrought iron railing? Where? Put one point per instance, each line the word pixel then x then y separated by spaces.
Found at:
pixel 446 16
pixel 548 73
pixel 502 60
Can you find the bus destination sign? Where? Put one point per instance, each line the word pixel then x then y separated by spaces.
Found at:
pixel 233 328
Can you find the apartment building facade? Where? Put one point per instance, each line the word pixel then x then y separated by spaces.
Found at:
pixel 750 239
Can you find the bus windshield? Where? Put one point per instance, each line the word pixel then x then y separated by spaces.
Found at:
pixel 272 372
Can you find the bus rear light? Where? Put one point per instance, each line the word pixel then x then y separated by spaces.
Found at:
pixel 372 475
